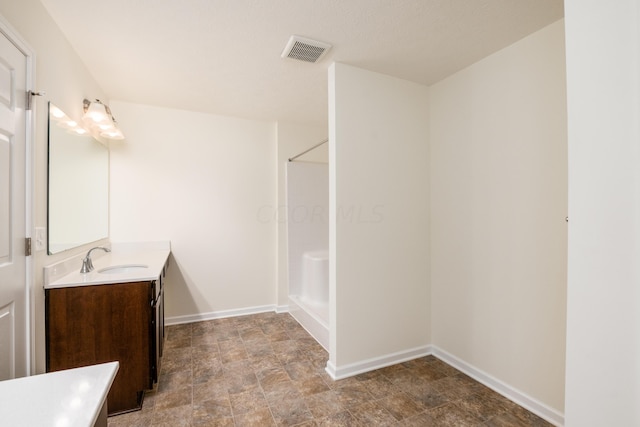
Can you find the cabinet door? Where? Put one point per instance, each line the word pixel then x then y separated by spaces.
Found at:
pixel 103 323
pixel 158 326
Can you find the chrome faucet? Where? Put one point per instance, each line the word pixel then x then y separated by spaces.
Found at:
pixel 87 264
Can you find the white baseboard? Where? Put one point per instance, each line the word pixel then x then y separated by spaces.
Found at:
pixel 338 373
pixel 282 309
pixel 540 409
pixel 311 322
pixel 177 320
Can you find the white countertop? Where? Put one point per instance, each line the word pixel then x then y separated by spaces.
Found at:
pixel 70 398
pixel 67 273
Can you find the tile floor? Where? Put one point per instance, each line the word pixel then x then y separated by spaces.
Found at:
pixel 266 370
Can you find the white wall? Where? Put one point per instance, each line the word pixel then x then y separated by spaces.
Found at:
pixel 61 73
pixel 293 138
pixel 603 315
pixel 499 201
pixel 379 220
pixel 206 183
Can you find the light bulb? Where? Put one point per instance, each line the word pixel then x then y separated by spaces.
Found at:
pixel 114 133
pixel 56 112
pixel 96 112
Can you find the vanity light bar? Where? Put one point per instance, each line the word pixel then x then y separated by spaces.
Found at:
pixel 99 118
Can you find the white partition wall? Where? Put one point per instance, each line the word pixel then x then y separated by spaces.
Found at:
pixel 379 219
pixel 603 307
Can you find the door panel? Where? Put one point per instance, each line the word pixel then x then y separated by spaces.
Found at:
pixel 5 203
pixel 7 338
pixel 14 334
pixel 7 78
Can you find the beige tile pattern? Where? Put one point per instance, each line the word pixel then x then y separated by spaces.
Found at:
pixel 265 370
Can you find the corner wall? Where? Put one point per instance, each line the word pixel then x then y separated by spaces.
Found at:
pixel 498 230
pixel 603 312
pixel 379 219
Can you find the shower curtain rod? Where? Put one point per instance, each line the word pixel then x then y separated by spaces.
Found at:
pixel 307 150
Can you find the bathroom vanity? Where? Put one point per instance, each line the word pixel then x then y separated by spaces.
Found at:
pixel 113 313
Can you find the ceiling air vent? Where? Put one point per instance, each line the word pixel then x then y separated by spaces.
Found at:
pixel 304 49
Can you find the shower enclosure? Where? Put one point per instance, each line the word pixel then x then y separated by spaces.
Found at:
pixel 308 243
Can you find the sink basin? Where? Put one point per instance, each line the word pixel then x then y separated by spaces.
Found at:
pixel 119 269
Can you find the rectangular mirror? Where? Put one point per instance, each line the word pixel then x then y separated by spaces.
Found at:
pixel 78 187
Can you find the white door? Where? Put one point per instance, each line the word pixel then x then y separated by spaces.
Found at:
pixel 14 334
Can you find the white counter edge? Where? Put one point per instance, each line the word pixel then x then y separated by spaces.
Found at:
pixel 66 273
pixel 73 397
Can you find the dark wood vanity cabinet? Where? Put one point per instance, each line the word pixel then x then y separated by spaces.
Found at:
pixel 123 322
pixel 157 319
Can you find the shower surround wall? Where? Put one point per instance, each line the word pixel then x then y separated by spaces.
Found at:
pixel 308 239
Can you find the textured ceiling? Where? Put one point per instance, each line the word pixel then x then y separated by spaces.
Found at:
pixel 223 56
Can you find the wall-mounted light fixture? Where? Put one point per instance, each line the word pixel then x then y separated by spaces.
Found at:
pixel 98 117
